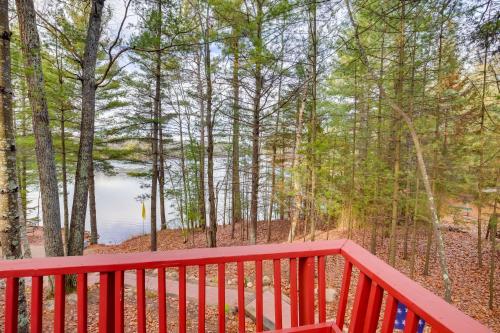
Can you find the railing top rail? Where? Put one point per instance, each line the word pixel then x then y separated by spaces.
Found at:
pixel 442 316
pixel 145 260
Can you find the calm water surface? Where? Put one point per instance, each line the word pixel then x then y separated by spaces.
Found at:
pixel 119 205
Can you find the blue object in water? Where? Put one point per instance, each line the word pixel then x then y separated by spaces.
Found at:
pixel 399 323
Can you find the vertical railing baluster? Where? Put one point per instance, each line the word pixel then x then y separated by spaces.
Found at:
pixel 306 290
pixel 391 305
pixel 11 305
pixel 221 299
pixel 162 301
pixel 141 300
pixel 106 302
pixel 182 299
pixel 278 317
pixel 36 304
pixel 322 288
pixel 411 322
pixel 358 314
pixel 241 297
pixel 294 309
pixel 202 272
pixel 373 308
pixel 119 296
pixel 82 308
pixel 344 294
pixel 258 296
pixel 59 303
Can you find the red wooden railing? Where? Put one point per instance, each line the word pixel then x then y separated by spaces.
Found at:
pixel 376 282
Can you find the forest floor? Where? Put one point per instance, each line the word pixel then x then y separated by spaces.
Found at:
pixel 470 282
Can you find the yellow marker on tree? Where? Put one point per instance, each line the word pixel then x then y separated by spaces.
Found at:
pixel 143 214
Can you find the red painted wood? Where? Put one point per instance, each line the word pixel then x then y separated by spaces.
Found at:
pixel 141 300
pixel 433 309
pixel 153 260
pixel 411 322
pixel 373 308
pixel 241 297
pixel 119 301
pixel 201 298
pixel 11 305
pixel 278 315
pixel 59 303
pixel 391 305
pixel 82 309
pixel 36 304
pixel 162 301
pixel 221 299
pixel 322 288
pixel 306 290
pixel 294 308
pixel 106 302
pixel 441 316
pixel 259 307
pixel 360 303
pixel 182 299
pixel 315 328
pixel 344 294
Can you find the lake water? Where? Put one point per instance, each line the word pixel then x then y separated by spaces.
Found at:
pixel 119 207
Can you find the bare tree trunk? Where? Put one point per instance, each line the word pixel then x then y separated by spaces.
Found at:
pixel 201 193
pixel 408 180
pixel 161 156
pixel 183 169
pixel 481 162
pixel 79 210
pixel 259 80
pixel 313 61
pixel 212 231
pixel 64 178
pixel 353 169
pixel 62 123
pixel 41 129
pixel 10 227
pixel 414 232
pixel 154 136
pixel 373 238
pixel 420 159
pixel 493 255
pixel 161 172
pixel 235 173
pixel 297 202
pixel 398 87
pixel 92 206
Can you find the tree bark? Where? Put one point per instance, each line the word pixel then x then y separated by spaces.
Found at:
pixel 420 159
pixel 398 87
pixel 235 172
pixel 414 232
pixel 154 136
pixel 161 172
pixel 92 206
pixel 201 193
pixel 10 226
pixel 161 157
pixel 212 231
pixel 313 61
pixel 254 197
pixel 493 239
pixel 64 178
pixel 480 175
pixel 41 128
pixel 378 201
pixel 79 209
pixel 297 202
